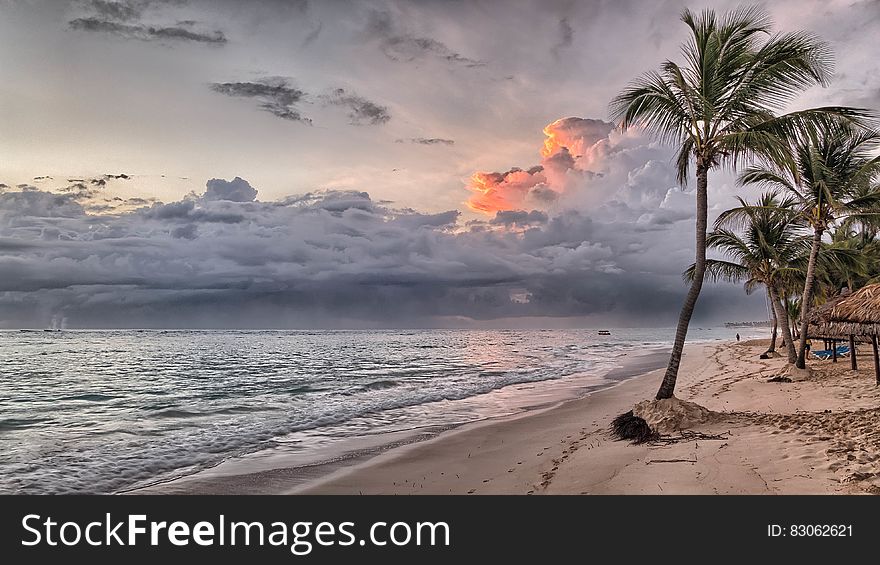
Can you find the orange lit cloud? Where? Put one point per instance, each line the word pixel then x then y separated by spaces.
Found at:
pixel 571 152
pixel 504 191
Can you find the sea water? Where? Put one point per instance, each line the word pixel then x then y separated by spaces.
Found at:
pixel 86 411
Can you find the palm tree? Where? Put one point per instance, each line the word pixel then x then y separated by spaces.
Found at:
pixel 719 107
pixel 862 242
pixel 768 254
pixel 774 252
pixel 831 175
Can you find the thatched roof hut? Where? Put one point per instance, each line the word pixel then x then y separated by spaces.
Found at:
pixel 849 316
pixel 857 313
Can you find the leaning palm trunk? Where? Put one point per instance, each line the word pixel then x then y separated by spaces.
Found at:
pixel 775 321
pixel 667 387
pixel 782 316
pixel 807 297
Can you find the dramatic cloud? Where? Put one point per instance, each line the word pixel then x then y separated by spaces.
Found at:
pixel 566 37
pixel 399 45
pixel 427 141
pixel 236 190
pixel 509 190
pixel 119 256
pixel 360 110
pixel 79 191
pixel 329 258
pixel 275 96
pixel 573 152
pixel 577 153
pixel 279 98
pixel 124 19
pixel 519 218
pixel 117 10
pixel 146 33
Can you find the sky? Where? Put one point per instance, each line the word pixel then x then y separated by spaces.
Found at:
pixel 294 163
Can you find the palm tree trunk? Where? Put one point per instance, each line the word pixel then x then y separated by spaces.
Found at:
pixel 807 297
pixel 775 320
pixel 782 316
pixel 667 387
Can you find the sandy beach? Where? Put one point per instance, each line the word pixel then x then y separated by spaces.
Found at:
pixel 816 436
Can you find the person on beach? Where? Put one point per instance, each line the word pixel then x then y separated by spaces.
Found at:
pixel 737 337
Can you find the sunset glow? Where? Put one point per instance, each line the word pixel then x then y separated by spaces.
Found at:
pixel 572 146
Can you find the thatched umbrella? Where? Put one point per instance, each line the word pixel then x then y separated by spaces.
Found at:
pixel 820 315
pixel 856 314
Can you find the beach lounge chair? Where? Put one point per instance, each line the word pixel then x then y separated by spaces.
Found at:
pixel 825 354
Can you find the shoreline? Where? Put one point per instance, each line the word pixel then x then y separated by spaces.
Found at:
pixel 813 436
pixel 805 437
pixel 262 478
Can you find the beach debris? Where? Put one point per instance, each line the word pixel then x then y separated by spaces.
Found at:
pixel 779 379
pixel 649 461
pixel 690 435
pixel 631 427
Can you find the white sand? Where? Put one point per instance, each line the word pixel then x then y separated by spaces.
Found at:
pixel 778 439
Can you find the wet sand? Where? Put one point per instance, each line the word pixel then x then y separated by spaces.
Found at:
pixel 813 436
pixel 817 436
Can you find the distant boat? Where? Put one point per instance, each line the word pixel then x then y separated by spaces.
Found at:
pixel 604 332
pixel 52 330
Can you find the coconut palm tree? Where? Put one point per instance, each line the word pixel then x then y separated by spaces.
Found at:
pixel 773 251
pixel 863 242
pixel 769 252
pixel 832 176
pixel 858 232
pixel 719 107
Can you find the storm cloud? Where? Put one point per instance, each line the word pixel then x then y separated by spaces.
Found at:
pixel 279 98
pixel 576 151
pixel 236 190
pixel 275 96
pixel 400 45
pixel 583 219
pixel 124 18
pixel 147 33
pixel 566 37
pixel 360 110
pixel 324 258
pixel 427 141
pixel 117 10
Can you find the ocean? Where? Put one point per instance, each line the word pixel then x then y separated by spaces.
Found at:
pixel 88 411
